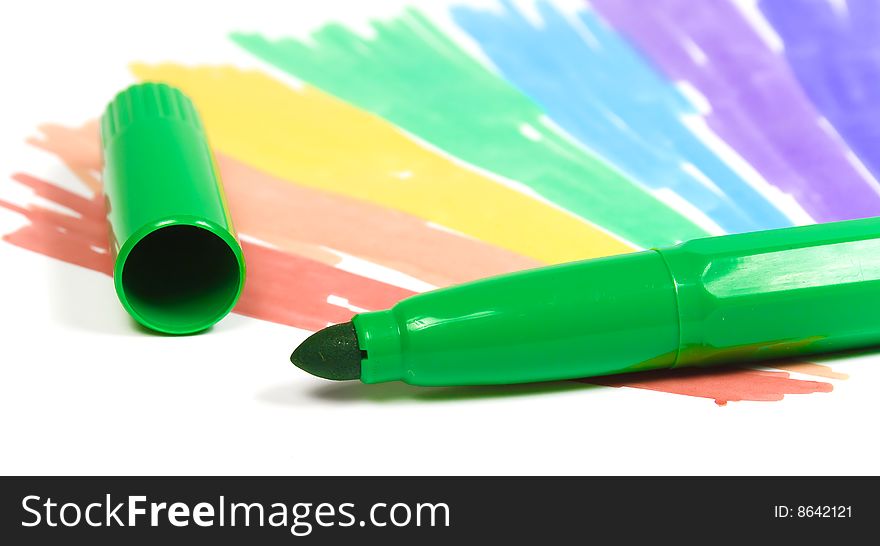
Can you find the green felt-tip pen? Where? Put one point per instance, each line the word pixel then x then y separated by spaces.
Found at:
pixel 734 298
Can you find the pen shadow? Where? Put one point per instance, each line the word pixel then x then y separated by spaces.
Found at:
pixel 661 380
pixel 355 391
pixel 830 358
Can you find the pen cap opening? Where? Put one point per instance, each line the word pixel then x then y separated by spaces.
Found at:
pixel 180 279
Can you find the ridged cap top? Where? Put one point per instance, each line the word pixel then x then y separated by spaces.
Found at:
pixel 145 101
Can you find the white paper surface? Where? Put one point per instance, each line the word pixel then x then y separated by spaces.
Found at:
pixel 82 391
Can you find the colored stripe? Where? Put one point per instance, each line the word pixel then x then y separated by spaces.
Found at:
pixel 756 104
pixel 721 384
pixel 596 87
pixel 280 287
pixel 314 223
pixel 415 77
pixel 318 141
pixel 836 57
pixel 306 221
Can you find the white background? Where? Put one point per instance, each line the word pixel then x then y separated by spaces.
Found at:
pixel 84 392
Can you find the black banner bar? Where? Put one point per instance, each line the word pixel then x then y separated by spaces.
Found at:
pixel 400 510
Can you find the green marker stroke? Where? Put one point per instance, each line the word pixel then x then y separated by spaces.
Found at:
pixel 411 74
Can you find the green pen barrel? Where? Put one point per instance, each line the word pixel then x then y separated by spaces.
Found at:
pixel 579 319
pixel 178 267
pixel 778 294
pixel 736 298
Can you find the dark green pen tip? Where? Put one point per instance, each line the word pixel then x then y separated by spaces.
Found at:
pixel 331 353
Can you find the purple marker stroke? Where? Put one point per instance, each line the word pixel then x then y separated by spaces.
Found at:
pixel 835 53
pixel 757 105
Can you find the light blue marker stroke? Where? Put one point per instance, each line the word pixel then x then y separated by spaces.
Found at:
pixel 603 93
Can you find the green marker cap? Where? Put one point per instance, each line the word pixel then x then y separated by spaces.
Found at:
pixel 178 267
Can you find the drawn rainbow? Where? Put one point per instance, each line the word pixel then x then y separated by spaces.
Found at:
pixel 578 133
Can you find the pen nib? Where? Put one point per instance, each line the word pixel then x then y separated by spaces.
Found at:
pixel 331 353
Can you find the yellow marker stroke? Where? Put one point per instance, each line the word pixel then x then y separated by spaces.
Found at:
pixel 313 139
